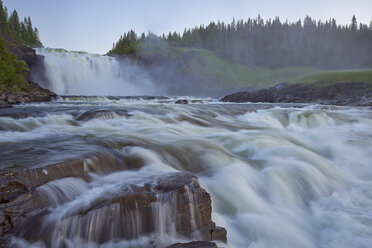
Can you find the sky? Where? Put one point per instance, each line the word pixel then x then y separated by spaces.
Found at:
pixel 93 25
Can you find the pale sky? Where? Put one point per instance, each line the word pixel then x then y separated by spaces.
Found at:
pixel 93 25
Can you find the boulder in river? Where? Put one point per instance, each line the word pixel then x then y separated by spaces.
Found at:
pixel 182 101
pixel 100 114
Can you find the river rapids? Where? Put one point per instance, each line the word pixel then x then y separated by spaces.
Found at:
pixel 279 175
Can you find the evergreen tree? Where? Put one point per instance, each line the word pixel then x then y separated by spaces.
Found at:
pixel 14 26
pixel 12 29
pixel 4 30
pixel 273 43
pixel 354 24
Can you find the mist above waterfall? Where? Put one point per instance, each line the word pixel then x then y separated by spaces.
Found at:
pixel 79 73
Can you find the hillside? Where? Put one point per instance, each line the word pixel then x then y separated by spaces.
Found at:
pixel 193 71
pixel 222 73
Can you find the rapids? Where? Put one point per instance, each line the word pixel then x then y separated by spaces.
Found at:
pixel 279 175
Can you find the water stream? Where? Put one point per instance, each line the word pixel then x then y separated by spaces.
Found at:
pixel 279 176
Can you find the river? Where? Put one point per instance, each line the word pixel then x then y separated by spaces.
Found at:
pixel 279 175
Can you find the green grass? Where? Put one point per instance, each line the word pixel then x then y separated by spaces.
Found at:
pixel 221 73
pixel 217 73
pixel 331 77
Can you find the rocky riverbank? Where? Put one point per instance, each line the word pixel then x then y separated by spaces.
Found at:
pixel 354 94
pixel 35 93
pixel 32 91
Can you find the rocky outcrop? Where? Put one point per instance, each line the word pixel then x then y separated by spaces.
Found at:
pixel 357 94
pixel 27 54
pixel 35 93
pixel 166 204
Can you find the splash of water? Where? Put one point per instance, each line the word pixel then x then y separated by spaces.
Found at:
pixel 279 177
pixel 78 73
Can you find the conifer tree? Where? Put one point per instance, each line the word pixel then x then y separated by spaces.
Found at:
pixel 14 26
pixel 4 30
pixel 12 29
pixel 273 43
pixel 354 24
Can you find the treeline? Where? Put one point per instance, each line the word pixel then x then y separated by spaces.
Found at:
pixel 12 29
pixel 271 43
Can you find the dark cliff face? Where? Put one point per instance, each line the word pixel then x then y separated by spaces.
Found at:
pixel 27 54
pixel 356 94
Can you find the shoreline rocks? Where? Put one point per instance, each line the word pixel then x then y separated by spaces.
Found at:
pixel 354 94
pixel 34 94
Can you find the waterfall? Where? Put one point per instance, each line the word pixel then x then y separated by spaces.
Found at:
pixel 80 73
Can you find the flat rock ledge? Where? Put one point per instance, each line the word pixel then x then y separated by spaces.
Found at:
pixel 23 207
pixel 353 94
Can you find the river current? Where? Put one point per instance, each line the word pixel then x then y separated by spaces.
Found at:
pixel 278 175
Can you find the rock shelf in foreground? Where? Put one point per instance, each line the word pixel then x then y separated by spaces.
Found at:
pixel 132 212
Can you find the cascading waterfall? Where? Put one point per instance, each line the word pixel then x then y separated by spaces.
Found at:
pixel 79 73
pixel 278 176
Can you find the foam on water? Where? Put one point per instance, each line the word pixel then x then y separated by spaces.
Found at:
pixel 278 176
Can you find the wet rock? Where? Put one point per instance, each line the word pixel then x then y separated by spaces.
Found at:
pixel 182 101
pixel 5 105
pixel 194 244
pixel 357 94
pixel 172 202
pixel 100 114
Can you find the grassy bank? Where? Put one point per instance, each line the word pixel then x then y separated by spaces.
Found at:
pixel 221 73
pixel 331 77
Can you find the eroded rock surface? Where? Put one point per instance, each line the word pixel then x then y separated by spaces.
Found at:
pixel 52 204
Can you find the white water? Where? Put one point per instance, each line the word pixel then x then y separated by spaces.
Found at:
pixel 279 177
pixel 77 73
